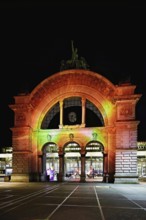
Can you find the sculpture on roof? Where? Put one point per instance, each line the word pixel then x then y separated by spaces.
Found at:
pixel 75 62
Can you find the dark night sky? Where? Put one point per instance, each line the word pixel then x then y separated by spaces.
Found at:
pixel 35 37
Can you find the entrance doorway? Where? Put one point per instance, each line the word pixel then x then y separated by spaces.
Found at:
pixel 52 167
pixel 94 162
pixel 72 162
pixel 51 161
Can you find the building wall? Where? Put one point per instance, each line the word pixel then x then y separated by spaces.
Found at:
pixel 116 103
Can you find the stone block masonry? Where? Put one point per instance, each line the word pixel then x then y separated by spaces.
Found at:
pixel 126 166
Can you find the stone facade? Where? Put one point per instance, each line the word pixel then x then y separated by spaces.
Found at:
pixel 126 166
pixel 116 104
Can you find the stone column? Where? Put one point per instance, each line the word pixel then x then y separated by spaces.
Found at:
pixel 22 155
pixel 61 166
pixel 44 167
pixel 83 177
pixel 83 111
pixel 40 171
pixel 61 114
pixel 111 155
pixel 105 167
pixel 40 160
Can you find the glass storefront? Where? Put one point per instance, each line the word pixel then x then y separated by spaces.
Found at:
pixel 141 159
pixel 72 166
pixel 72 161
pixel 141 167
pixel 94 166
pixel 92 162
pixel 52 161
pixel 52 166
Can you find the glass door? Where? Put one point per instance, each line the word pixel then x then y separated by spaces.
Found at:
pixel 72 166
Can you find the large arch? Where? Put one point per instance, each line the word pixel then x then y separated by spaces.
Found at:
pixel 72 82
pixel 116 104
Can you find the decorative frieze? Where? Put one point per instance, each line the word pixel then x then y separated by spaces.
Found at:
pixel 125 111
pixel 72 78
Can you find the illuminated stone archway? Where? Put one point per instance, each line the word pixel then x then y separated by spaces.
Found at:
pixel 116 104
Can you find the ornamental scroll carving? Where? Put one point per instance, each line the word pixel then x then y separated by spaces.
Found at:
pixel 20 118
pixel 126 112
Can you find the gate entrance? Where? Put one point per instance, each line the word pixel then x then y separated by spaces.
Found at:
pixel 94 161
pixel 51 161
pixel 72 162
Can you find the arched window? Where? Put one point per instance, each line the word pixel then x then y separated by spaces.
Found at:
pixel 72 114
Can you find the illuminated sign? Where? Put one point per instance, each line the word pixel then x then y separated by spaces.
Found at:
pixel 93 148
pixel 72 147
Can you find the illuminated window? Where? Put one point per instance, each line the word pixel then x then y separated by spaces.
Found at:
pixel 72 114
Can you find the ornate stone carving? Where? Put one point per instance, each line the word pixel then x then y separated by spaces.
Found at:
pixel 72 78
pixel 75 62
pixel 94 136
pixel 125 111
pixel 49 137
pixel 71 136
pixel 20 117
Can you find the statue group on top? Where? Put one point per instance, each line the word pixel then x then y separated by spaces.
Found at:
pixel 75 62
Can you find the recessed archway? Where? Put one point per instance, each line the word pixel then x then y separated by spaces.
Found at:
pixel 72 161
pixel 50 161
pixel 94 162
